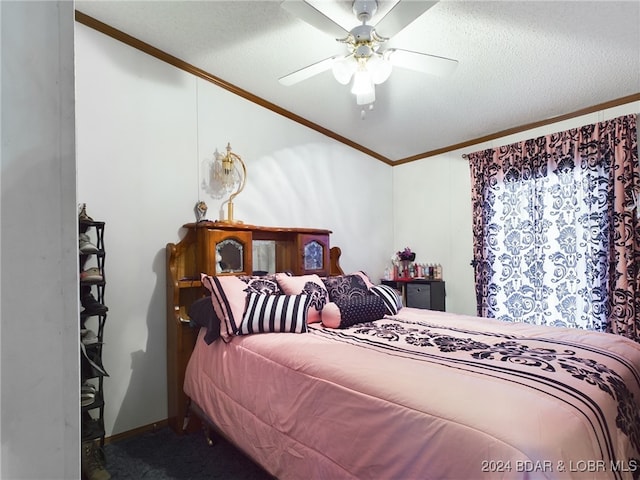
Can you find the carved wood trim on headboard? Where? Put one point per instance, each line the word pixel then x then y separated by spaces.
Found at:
pixel 334 256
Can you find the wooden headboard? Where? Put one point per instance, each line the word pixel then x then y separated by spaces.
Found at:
pixel 196 253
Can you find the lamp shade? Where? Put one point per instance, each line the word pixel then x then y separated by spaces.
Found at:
pixel 366 98
pixel 362 82
pixel 344 68
pixel 379 67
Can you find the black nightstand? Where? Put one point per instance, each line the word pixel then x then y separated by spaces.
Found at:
pixel 420 292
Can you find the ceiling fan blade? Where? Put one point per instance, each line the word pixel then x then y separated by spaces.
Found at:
pixel 421 62
pixel 308 71
pixel 314 17
pixel 402 14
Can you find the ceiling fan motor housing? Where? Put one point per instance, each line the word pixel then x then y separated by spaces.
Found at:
pixel 365 9
pixel 362 33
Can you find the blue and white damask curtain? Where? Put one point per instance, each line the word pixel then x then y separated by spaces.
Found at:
pixel 556 240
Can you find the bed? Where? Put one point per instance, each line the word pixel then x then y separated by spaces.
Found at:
pixel 411 393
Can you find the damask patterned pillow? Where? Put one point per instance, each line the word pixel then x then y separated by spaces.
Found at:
pixel 391 297
pixel 275 313
pixel 353 311
pixel 309 285
pixel 343 288
pixel 262 284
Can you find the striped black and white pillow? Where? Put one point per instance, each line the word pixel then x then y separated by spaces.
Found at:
pixel 274 313
pixel 391 297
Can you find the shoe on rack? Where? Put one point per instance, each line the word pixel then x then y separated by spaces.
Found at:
pixel 82 216
pixel 92 306
pixel 87 398
pixel 91 275
pixel 88 394
pixel 85 244
pixel 87 388
pixel 91 364
pixel 92 461
pixel 88 337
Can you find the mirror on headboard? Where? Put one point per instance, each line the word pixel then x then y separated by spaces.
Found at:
pixel 264 257
pixel 229 256
pixel 313 256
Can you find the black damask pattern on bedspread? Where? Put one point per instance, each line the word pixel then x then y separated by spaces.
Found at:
pixel 546 361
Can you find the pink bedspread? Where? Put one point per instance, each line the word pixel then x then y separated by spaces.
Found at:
pixel 427 395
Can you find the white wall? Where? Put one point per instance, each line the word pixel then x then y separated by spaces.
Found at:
pixel 432 207
pixel 432 215
pixel 39 420
pixel 144 128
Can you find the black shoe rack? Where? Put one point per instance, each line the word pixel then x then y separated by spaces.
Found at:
pixel 93 316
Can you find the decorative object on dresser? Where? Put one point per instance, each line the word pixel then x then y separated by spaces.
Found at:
pixel 93 317
pixel 404 258
pixel 225 176
pixel 201 211
pixel 406 255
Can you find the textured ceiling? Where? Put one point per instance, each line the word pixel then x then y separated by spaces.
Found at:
pixel 520 62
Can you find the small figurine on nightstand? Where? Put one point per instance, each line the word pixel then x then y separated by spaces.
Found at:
pixel 201 211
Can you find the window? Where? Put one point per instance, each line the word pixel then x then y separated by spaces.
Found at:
pixel 556 239
pixel 547 246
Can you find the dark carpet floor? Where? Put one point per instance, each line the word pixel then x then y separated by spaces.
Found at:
pixel 163 455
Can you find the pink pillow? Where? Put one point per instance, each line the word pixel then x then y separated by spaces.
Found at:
pixel 229 298
pixel 310 285
pixel 331 315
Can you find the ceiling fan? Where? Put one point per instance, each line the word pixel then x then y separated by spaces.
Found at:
pixel 366 62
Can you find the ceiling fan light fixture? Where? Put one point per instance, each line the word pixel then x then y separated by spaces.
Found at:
pixel 362 82
pixel 366 64
pixel 379 67
pixel 367 98
pixel 344 68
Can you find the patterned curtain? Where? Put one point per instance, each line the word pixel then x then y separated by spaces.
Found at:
pixel 556 234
